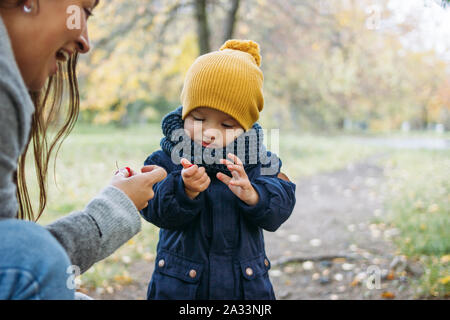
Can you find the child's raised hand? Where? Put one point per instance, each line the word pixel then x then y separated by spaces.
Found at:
pixel 239 184
pixel 195 179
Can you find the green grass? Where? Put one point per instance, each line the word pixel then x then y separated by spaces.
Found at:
pixel 307 155
pixel 419 206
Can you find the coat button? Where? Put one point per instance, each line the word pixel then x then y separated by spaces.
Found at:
pixel 266 262
pixel 192 273
pixel 249 272
pixel 161 263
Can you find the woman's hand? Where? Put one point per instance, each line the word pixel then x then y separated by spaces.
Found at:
pixel 139 186
pixel 195 179
pixel 239 184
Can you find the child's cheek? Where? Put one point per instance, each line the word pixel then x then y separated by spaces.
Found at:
pixel 189 128
pixel 232 134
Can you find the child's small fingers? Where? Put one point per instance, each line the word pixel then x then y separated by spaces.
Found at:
pixel 237 168
pixel 186 163
pixel 240 183
pixel 223 177
pixel 236 183
pixel 236 174
pixel 226 162
pixel 235 159
pixel 203 185
pixel 199 173
pixel 197 180
pixel 190 172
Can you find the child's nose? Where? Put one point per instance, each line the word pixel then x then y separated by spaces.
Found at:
pixel 209 135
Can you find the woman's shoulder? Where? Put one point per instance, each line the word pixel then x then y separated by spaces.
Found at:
pixel 15 101
pixel 11 77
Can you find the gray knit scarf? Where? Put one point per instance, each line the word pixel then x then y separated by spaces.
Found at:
pixel 248 147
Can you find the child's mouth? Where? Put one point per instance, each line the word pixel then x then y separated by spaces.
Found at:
pixel 205 144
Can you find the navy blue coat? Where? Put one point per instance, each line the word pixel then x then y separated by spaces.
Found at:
pixel 212 247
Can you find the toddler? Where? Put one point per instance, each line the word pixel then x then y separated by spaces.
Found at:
pixel 223 187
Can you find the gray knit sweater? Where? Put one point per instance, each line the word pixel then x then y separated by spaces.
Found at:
pixel 88 236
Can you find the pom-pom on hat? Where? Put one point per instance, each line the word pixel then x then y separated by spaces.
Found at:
pixel 228 80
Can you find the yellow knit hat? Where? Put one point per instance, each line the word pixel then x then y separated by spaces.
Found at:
pixel 228 80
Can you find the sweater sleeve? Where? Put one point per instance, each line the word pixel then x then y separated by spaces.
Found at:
pixel 276 202
pixel 9 153
pixel 16 110
pixel 170 208
pixel 107 222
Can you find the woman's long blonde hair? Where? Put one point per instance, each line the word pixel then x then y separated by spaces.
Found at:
pixel 50 113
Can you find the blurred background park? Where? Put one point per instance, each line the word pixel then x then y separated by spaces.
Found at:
pixel 345 80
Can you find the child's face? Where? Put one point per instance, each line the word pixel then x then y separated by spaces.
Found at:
pixel 212 128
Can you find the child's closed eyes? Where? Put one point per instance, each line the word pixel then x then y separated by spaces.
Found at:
pixel 212 128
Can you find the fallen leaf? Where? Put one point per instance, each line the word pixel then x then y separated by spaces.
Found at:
pixel 388 295
pixel 123 279
pixel 391 275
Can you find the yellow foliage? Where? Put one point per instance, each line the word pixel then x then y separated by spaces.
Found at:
pixel 444 280
pixel 123 279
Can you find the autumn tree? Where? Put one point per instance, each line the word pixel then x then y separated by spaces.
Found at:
pixel 326 63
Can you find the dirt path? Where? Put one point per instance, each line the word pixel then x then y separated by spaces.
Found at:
pixel 329 248
pixel 341 253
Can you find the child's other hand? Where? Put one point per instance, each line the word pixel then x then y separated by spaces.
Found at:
pixel 239 184
pixel 195 179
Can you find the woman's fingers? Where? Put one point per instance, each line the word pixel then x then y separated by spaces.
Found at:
pixel 148 168
pixel 139 187
pixel 124 172
pixel 133 173
pixel 154 176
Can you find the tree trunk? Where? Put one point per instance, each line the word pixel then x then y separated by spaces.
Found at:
pixel 202 26
pixel 230 22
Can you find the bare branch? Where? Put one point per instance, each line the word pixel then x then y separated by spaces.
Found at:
pixel 202 26
pixel 231 19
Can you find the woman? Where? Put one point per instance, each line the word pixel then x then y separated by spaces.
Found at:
pixel 38 53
